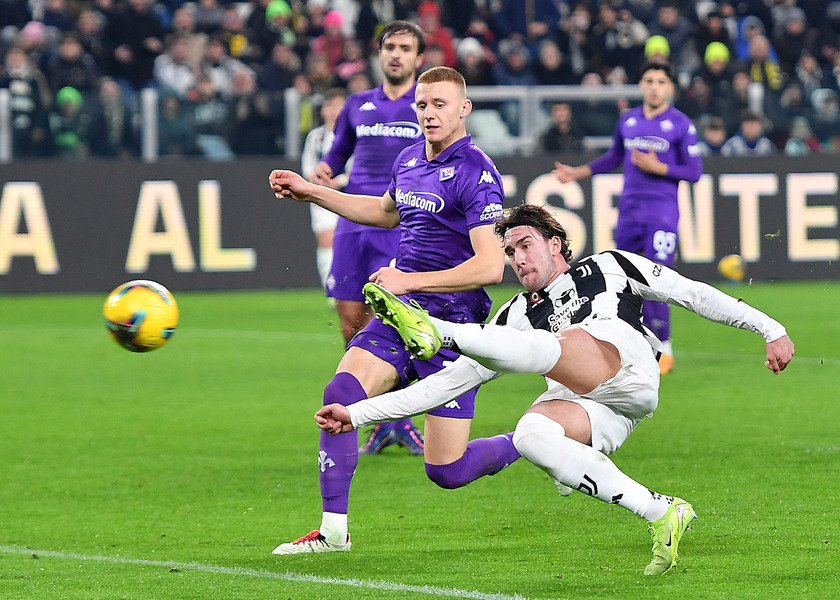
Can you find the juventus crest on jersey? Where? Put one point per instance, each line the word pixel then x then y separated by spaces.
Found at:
pixel 608 285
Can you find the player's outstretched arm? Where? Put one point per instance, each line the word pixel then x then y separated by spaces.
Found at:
pixel 779 354
pixel 566 174
pixel 334 419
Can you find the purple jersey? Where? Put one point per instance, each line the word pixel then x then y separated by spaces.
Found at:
pixel 439 202
pixel 372 129
pixel 673 137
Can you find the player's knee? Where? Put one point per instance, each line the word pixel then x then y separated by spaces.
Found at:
pixel 534 432
pixel 449 477
pixel 344 389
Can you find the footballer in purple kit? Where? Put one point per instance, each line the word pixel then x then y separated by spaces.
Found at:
pixel 446 194
pixel 657 145
pixel 373 128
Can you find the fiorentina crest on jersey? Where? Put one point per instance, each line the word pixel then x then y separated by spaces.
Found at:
pixel 446 173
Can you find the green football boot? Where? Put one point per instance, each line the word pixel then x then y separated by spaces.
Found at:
pixel 411 322
pixel 666 533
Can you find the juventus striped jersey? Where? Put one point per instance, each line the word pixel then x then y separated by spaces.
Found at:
pixel 604 286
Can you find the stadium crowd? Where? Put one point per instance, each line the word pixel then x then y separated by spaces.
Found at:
pixel 756 76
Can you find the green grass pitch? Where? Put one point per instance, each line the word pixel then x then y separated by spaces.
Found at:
pixel 172 475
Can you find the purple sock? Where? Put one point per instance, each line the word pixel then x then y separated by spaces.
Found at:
pixel 484 456
pixel 339 454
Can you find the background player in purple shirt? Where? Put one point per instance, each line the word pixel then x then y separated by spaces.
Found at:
pixel 373 127
pixel 446 194
pixel 657 144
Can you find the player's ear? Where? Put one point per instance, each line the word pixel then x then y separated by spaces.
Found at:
pixel 466 107
pixel 418 62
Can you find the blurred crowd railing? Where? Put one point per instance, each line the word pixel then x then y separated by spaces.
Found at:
pixel 506 120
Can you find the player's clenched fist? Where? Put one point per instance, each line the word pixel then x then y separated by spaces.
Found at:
pixel 334 419
pixel 288 184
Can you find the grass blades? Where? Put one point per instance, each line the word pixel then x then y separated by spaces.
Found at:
pixel 172 474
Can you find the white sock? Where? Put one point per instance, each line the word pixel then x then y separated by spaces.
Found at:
pixel 543 442
pixel 323 260
pixel 503 349
pixel 334 527
pixel 668 348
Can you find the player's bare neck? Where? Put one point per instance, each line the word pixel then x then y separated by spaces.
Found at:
pixel 652 112
pixel 435 149
pixel 395 91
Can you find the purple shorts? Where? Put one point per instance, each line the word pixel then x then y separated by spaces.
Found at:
pixel 357 254
pixel 383 341
pixel 653 239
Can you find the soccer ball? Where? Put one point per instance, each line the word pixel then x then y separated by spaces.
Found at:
pixel 732 267
pixel 141 315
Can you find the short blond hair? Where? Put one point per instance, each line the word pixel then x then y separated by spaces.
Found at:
pixel 438 74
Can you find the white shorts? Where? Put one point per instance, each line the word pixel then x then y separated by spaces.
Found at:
pixel 616 406
pixel 322 219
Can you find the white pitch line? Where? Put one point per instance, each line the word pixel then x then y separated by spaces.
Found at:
pixel 297 577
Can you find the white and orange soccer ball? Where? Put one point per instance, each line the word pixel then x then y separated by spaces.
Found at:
pixel 141 315
pixel 732 267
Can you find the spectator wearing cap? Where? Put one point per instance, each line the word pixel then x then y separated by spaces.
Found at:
pixel 712 29
pixel 473 62
pixel 331 42
pixel 717 69
pixel 657 48
pixel 276 27
pixel 750 139
pixel 428 18
pixel 69 125
pixel 793 37
pixel 748 27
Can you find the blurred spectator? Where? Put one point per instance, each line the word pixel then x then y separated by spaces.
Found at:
pixel 552 67
pixel 279 71
pixel 615 42
pixel 808 73
pixel 717 69
pixel 527 22
pixel 173 71
pixel 134 36
pixel 574 36
pixel 89 29
pixel 595 117
pixel 275 28
pixel 213 118
pixel 221 68
pixel 473 62
pixel 433 56
pixel 183 24
pixel 258 126
pixel 802 140
pixel 749 27
pixel 353 61
pixel 514 66
pixel 793 104
pixel 750 139
pixel 310 23
pixel 373 14
pixel 72 66
pixel 563 135
pixel 57 15
pixel 318 72
pixel 699 100
pixel 762 67
pixel 671 24
pixel 308 102
pixel 28 91
pixel 235 36
pixel 713 30
pixel 35 41
pixel 712 136
pixel 828 40
pixel 428 18
pixel 793 38
pixel 69 125
pixel 825 120
pixel 331 42
pixel 176 132
pixel 359 83
pixel 209 17
pixel 112 133
pixel 480 30
pixel 457 15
